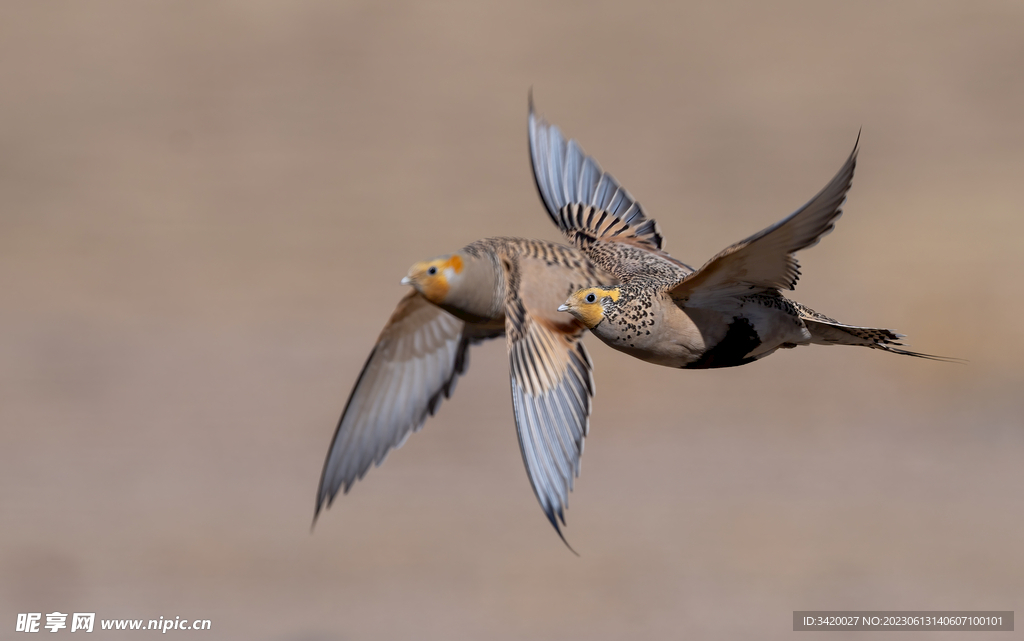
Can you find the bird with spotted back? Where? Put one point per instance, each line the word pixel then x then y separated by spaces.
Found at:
pixel 490 288
pixel 729 312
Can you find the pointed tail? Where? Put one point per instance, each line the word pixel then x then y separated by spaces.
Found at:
pixel 828 331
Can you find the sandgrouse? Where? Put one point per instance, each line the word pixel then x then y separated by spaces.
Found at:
pixel 619 283
pixel 729 312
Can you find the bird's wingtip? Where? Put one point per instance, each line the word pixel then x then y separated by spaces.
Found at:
pixel 316 515
pixel 550 513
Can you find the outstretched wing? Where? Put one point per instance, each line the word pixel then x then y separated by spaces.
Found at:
pixel 552 388
pixel 585 203
pixel 414 365
pixel 766 260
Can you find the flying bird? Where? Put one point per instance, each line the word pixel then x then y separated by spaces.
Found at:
pixel 616 280
pixel 729 312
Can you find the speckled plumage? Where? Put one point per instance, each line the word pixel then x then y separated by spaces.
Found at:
pixel 729 312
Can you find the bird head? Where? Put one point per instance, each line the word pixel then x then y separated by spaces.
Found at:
pixel 590 305
pixel 433 278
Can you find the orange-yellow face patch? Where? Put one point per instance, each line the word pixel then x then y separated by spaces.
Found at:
pixel 603 293
pixel 455 263
pixel 586 304
pixel 429 278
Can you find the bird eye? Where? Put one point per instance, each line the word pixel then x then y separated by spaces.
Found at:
pixel 591 298
pixel 432 270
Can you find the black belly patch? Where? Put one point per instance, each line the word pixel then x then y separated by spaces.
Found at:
pixel 732 350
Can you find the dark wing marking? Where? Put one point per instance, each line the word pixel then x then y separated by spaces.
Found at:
pixel 552 388
pixel 766 260
pixel 566 176
pixel 414 365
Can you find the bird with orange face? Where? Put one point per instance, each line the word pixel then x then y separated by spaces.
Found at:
pixel 616 280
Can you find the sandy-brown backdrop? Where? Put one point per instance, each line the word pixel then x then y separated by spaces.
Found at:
pixel 205 209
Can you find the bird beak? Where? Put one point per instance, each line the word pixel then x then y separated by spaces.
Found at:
pixel 563 307
pixel 406 280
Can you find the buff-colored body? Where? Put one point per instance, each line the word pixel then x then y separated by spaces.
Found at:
pixel 481 281
pixel 680 336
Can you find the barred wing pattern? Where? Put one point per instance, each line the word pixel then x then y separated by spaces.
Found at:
pixel 566 176
pixel 552 389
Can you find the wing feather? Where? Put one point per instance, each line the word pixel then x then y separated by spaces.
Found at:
pixel 565 176
pixel 414 365
pixel 766 260
pixel 552 388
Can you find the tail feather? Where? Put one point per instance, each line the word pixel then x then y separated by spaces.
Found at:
pixel 906 352
pixel 828 331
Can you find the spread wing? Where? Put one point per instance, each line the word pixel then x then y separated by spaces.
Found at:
pixel 552 388
pixel 585 202
pixel 766 260
pixel 414 365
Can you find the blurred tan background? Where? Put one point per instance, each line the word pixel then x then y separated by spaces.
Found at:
pixel 205 209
